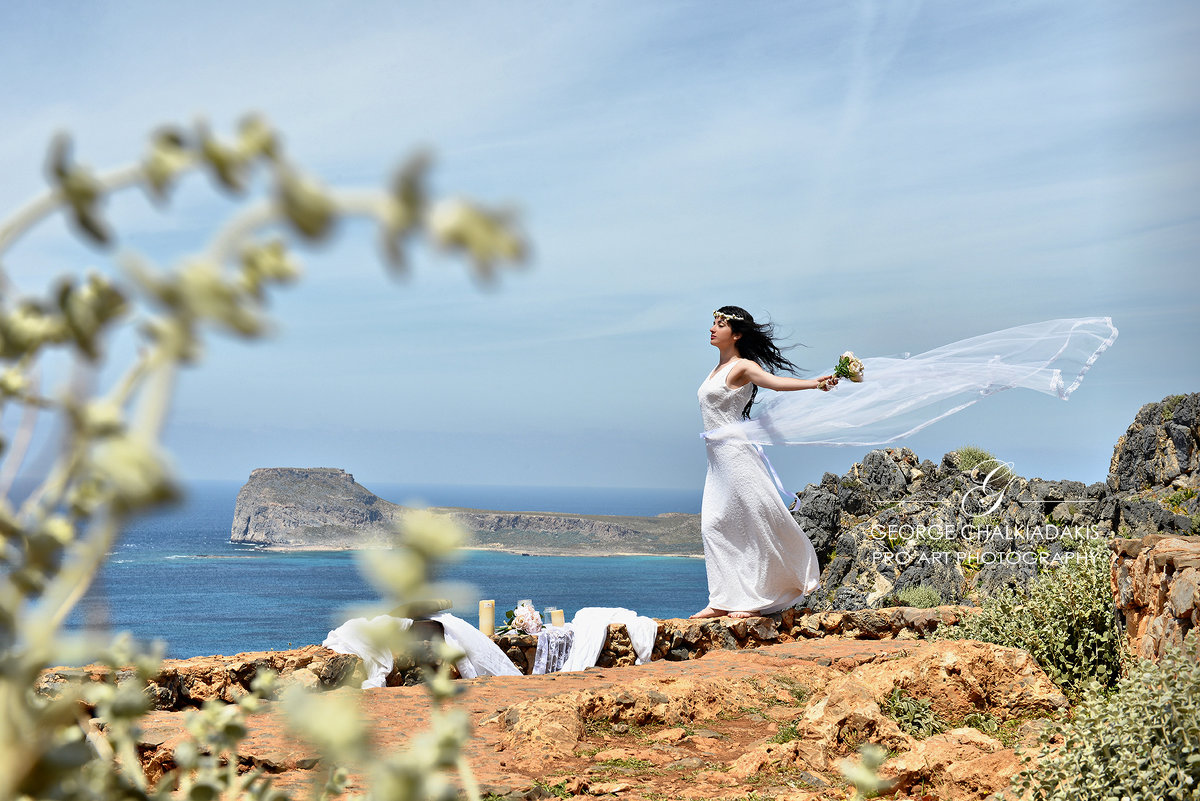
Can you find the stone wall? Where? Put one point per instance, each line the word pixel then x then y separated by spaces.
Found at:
pixel 679 639
pixel 1156 589
pixel 188 683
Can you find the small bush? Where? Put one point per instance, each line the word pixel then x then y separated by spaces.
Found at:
pixel 921 596
pixel 1140 743
pixel 914 716
pixel 969 457
pixel 1064 618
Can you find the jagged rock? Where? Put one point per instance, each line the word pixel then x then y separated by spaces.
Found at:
pixel 1156 589
pixel 963 676
pixel 952 757
pixel 1160 446
pixel 818 512
pixel 845 716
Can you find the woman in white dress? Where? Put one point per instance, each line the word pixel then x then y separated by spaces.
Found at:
pixel 758 558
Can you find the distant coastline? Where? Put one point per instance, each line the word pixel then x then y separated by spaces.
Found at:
pixel 324 509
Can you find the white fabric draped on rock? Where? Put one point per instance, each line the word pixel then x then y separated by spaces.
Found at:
pixel 358 636
pixel 483 657
pixel 590 627
pixel 900 396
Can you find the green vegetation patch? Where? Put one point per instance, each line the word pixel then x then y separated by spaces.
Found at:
pixel 914 716
pixel 1140 742
pixel 921 596
pixel 1064 618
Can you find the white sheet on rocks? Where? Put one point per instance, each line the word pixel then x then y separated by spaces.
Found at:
pixel 590 625
pixel 483 657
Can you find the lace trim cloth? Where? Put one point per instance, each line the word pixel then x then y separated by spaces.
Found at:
pixel 553 646
pixel 900 396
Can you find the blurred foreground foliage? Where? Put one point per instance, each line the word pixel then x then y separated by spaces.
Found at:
pixel 109 463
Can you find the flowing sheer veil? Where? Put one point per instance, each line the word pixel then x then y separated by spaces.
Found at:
pixel 900 396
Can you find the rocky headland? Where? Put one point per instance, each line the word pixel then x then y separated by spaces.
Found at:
pixel 324 508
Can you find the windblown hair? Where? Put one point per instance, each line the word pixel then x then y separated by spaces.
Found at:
pixel 757 344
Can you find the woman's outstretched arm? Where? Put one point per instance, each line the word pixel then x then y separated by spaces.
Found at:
pixel 747 372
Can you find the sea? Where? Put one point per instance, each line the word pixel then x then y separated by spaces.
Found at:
pixel 175 578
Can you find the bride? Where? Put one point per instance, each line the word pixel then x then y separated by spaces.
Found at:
pixel 757 557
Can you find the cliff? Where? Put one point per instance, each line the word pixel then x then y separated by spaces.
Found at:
pixel 324 507
pixel 313 507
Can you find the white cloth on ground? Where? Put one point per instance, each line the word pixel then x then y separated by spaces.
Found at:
pixel 482 656
pixel 590 625
pixel 553 646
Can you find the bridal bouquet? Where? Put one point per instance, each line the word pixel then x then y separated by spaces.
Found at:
pixel 524 618
pixel 849 367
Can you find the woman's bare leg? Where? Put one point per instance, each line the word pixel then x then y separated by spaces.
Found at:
pixel 743 615
pixel 708 611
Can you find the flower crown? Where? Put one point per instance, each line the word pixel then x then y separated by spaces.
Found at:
pixel 727 317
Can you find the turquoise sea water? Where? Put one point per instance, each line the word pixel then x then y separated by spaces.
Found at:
pixel 176 577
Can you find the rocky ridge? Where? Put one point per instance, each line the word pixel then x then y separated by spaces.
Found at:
pixel 894 522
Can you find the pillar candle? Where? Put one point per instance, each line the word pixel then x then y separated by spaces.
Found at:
pixel 487 617
pixel 556 617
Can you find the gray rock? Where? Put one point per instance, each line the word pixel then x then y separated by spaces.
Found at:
pixel 817 511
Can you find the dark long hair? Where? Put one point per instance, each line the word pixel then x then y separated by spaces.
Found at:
pixel 757 343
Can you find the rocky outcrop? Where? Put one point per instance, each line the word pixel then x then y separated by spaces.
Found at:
pixel 961 531
pixel 827 713
pixel 1161 448
pixel 188 683
pixel 323 507
pixel 1156 588
pixel 319 506
pixel 957 534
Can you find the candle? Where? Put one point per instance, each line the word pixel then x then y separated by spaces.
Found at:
pixel 487 617
pixel 556 617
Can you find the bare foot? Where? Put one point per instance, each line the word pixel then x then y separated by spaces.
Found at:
pixel 743 615
pixel 708 611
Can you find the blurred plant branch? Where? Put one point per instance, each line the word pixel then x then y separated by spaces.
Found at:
pixel 110 463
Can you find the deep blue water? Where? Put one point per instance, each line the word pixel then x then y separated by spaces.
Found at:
pixel 175 576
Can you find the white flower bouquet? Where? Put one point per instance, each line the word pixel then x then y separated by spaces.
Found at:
pixel 524 618
pixel 849 366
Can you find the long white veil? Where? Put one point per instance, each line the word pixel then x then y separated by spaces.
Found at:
pixel 900 396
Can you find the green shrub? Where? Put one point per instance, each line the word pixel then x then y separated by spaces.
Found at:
pixel 969 457
pixel 921 596
pixel 1139 743
pixel 914 716
pixel 1065 618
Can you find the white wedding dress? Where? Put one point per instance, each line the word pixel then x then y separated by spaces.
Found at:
pixel 757 556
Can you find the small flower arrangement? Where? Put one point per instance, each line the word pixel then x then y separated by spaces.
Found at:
pixel 849 367
pixel 524 618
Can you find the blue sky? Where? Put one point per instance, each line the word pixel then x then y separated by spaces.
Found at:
pixel 880 177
